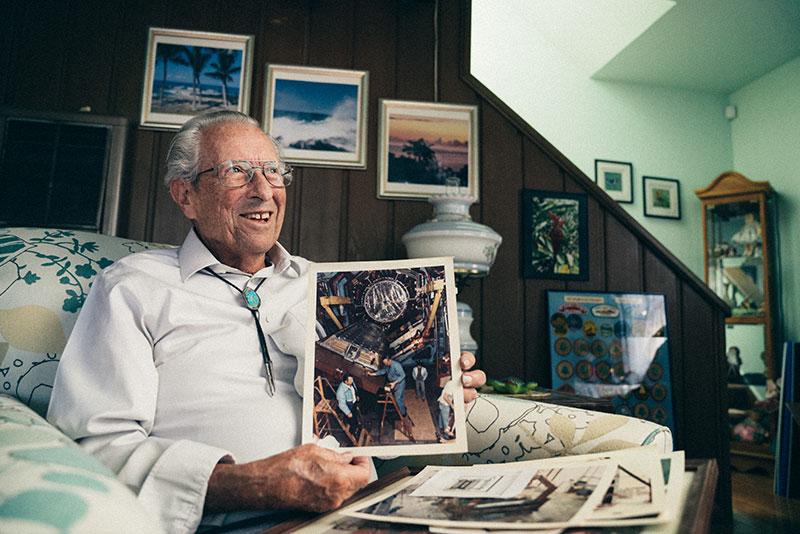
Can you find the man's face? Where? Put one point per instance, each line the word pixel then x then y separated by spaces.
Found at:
pixel 349 380
pixel 238 225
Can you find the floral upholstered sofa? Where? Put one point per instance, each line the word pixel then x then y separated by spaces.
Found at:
pixel 48 483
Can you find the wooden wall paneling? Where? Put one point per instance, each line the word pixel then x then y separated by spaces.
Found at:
pixel 451 46
pixel 503 290
pixel 137 183
pixel 9 39
pixel 37 73
pixel 623 257
pixel 723 509
pixel 540 172
pixel 704 381
pixel 330 44
pixel 658 278
pixel 597 240
pixel 128 63
pixel 369 235
pixel 168 225
pixel 415 45
pixel 87 66
pixel 283 40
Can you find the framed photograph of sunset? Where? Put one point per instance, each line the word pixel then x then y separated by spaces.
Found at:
pixel 426 149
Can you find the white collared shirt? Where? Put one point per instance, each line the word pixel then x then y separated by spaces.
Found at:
pixel 163 350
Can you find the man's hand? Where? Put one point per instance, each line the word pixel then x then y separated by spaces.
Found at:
pixel 472 379
pixel 303 478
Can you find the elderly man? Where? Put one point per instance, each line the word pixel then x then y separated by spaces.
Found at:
pixel 184 370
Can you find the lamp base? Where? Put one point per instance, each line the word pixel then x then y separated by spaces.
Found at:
pixel 464 322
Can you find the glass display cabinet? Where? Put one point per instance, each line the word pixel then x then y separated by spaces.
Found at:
pixel 738 238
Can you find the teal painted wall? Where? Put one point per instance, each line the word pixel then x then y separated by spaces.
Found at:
pixel 766 146
pixel 665 132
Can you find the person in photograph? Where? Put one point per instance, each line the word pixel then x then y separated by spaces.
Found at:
pixel 395 381
pixel 445 408
pixel 419 373
pixel 347 404
pixel 183 373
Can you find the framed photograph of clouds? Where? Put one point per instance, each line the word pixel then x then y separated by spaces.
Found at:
pixel 662 197
pixel 318 116
pixel 426 148
pixel 188 72
pixel 615 178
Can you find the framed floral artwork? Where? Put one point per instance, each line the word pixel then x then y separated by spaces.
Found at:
pixel 554 235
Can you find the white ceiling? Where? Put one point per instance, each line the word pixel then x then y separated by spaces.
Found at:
pixel 715 46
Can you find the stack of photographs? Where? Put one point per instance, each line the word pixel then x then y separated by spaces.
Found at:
pixel 631 488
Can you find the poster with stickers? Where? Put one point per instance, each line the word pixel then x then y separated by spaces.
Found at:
pixel 613 345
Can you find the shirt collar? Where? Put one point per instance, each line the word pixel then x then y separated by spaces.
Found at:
pixel 194 256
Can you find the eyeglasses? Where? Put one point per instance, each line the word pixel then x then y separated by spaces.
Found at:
pixel 237 173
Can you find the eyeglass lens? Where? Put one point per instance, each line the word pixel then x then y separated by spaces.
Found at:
pixel 238 173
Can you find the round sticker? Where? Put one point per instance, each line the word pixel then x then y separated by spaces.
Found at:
pixel 584 370
pixel 621 329
pixel 581 347
pixel 655 372
pixel 574 321
pixel 598 348
pixel 659 392
pixel 559 323
pixel 606 330
pixel 589 328
pixel 564 369
pixel 659 415
pixel 615 349
pixel 563 346
pixel 641 411
pixel 618 371
pixel 640 393
pixel 603 370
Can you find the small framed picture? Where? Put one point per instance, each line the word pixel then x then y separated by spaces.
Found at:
pixel 555 237
pixel 188 72
pixel 662 197
pixel 426 149
pixel 318 116
pixel 615 178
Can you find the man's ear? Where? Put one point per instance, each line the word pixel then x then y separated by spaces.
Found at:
pixel 182 193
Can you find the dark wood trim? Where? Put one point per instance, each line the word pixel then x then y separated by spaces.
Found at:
pixel 591 188
pixel 699 503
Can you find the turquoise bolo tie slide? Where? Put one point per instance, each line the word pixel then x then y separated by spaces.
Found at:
pixel 251 299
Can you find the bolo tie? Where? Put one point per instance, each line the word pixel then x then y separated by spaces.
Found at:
pixel 253 302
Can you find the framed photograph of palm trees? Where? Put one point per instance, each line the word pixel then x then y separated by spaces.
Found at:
pixel 319 116
pixel 427 148
pixel 555 235
pixel 188 72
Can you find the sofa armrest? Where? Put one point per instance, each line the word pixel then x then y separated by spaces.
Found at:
pixel 504 429
pixel 49 481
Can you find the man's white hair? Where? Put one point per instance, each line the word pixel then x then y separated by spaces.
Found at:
pixel 183 156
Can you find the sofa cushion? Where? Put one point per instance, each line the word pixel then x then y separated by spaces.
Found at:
pixel 51 484
pixel 45 275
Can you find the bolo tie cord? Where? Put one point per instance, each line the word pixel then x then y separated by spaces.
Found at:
pixel 252 302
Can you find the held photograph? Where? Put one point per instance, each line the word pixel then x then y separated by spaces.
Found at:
pixel 425 147
pixel 318 115
pixel 188 72
pixel 379 376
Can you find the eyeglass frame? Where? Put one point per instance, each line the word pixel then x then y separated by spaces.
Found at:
pixel 284 170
